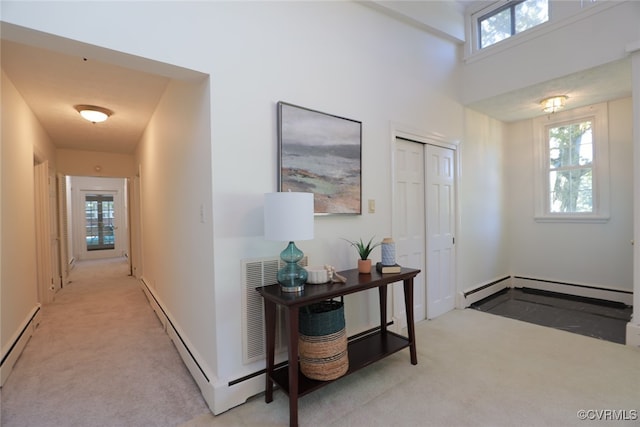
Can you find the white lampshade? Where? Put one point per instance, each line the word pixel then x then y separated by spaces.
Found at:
pixel 288 216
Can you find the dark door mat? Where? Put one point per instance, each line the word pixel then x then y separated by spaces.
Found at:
pixel 594 318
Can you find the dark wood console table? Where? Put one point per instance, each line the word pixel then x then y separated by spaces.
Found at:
pixel 362 351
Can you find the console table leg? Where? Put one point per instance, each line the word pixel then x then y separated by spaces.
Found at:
pixel 408 306
pixel 270 333
pixel 382 290
pixel 292 320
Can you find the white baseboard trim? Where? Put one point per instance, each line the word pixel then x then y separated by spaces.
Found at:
pixel 633 334
pixel 588 291
pixel 192 360
pixel 13 349
pixel 482 291
pixel 229 396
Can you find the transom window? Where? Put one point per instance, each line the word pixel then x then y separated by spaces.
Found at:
pixel 510 19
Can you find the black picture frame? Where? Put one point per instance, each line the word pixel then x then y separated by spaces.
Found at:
pixel 320 153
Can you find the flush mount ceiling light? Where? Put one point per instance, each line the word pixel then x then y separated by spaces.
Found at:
pixel 93 114
pixel 553 103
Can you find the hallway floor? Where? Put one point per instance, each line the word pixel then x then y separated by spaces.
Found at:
pixel 593 318
pixel 100 357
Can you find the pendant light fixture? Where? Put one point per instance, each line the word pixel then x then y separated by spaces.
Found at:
pixel 93 113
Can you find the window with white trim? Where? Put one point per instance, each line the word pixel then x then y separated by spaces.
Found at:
pixel 510 18
pixel 572 165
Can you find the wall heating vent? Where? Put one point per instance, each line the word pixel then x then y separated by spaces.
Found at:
pixel 256 273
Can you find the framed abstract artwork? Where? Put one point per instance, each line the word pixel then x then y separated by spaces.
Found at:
pixel 321 154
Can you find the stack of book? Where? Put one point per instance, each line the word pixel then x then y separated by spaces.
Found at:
pixel 384 269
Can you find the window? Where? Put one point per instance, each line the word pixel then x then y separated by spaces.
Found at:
pixel 572 170
pixel 570 148
pixel 510 19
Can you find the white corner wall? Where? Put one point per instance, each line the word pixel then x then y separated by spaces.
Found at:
pixel 174 158
pixel 482 244
pixel 595 254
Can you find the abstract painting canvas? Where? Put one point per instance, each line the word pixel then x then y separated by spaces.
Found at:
pixel 321 154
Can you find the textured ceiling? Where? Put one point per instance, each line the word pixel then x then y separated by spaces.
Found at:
pixel 603 83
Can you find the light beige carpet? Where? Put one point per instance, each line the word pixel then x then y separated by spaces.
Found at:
pixel 100 357
pixel 474 369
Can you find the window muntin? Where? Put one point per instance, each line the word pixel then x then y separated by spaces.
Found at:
pixel 514 17
pixel 570 148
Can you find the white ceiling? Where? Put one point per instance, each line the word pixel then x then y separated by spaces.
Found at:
pixel 52 83
pixel 603 83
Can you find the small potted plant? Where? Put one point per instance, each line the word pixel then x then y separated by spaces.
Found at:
pixel 364 250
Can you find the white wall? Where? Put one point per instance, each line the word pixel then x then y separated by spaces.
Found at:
pixel 598 254
pixel 482 241
pixel 94 163
pixel 337 57
pixel 21 131
pixel 368 68
pixel 174 158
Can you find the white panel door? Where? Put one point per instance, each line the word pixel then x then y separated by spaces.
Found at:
pixel 409 225
pixel 440 193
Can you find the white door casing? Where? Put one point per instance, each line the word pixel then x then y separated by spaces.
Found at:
pixel 116 187
pixel 119 248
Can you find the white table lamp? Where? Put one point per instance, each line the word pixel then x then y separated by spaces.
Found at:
pixel 288 216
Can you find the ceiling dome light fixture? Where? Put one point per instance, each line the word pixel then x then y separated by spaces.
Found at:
pixel 93 113
pixel 553 103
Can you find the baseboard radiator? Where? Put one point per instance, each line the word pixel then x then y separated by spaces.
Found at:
pixel 185 349
pixel 16 345
pixel 480 292
pixel 623 296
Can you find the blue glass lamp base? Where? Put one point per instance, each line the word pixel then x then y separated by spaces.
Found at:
pixel 292 277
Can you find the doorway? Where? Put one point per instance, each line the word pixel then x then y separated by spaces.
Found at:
pixel 424 224
pixel 99 219
pixel 99 214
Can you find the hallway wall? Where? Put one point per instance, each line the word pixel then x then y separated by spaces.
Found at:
pixel 21 135
pixel 95 163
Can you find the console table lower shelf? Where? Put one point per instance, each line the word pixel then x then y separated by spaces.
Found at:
pixel 362 351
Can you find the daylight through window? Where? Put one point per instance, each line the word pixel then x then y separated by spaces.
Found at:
pixel 571 168
pixel 512 18
pixel 572 165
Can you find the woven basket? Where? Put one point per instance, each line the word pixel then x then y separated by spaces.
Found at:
pixel 322 342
